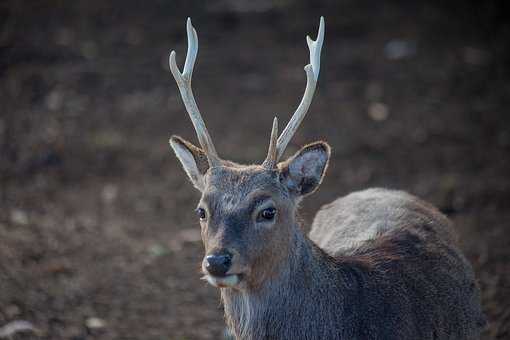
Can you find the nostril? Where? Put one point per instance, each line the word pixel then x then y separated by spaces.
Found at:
pixel 218 264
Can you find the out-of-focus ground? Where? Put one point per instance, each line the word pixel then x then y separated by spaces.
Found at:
pixel 98 238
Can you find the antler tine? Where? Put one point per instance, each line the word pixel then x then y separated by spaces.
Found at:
pixel 271 160
pixel 184 83
pixel 312 74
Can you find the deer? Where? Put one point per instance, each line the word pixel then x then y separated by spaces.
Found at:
pixel 376 264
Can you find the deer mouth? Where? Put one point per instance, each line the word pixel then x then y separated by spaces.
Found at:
pixel 227 281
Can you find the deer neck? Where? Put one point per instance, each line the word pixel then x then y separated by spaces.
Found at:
pixel 305 281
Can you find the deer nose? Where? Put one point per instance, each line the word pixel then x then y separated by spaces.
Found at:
pixel 218 264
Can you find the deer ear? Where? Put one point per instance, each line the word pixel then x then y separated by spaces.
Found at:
pixel 193 160
pixel 302 173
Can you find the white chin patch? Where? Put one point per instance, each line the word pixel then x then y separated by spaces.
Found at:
pixel 223 282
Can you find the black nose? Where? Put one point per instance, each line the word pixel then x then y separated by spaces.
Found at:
pixel 218 264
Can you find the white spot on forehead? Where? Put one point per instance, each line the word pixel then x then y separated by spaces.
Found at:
pixel 229 201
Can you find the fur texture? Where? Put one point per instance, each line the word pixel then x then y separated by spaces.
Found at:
pixel 405 280
pixel 378 264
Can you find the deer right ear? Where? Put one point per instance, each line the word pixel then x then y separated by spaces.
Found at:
pixel 302 173
pixel 193 160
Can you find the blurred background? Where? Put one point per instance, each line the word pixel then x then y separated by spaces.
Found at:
pixel 98 236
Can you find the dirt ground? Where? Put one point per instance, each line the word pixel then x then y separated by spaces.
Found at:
pixel 98 237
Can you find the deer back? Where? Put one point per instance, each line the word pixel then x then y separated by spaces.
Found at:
pixel 408 265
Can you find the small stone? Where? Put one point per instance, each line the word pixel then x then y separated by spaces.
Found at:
pixel 95 323
pixel 16 326
pixel 109 193
pixel 54 101
pixel 19 216
pixel 397 49
pixel 378 111
pixel 157 250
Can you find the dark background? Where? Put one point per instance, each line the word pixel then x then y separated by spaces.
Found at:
pixel 98 237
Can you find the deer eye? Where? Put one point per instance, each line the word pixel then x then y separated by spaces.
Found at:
pixel 267 214
pixel 201 214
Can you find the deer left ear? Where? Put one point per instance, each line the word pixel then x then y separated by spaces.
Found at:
pixel 302 173
pixel 193 160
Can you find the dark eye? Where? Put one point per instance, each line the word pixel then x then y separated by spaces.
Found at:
pixel 267 214
pixel 201 213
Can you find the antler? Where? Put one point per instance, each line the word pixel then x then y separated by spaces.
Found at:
pixel 312 74
pixel 271 158
pixel 184 83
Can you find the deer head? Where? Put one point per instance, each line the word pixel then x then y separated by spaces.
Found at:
pixel 248 212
